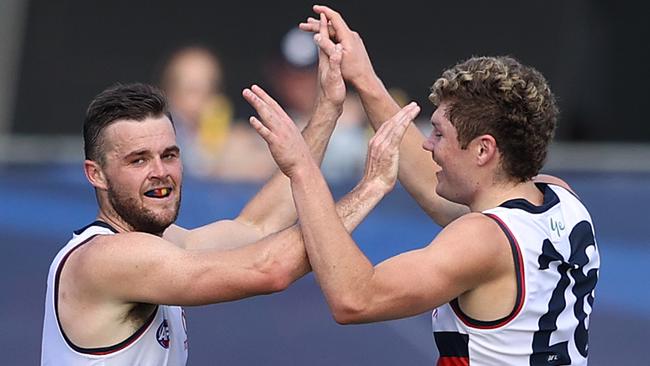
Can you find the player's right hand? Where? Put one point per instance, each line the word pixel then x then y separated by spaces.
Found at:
pixel 287 146
pixel 356 66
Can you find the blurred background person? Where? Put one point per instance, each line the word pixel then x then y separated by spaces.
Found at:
pixel 292 73
pixel 192 78
pixel 55 56
pixel 212 144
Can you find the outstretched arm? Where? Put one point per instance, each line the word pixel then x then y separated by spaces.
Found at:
pixel 272 208
pixel 417 169
pixel 159 272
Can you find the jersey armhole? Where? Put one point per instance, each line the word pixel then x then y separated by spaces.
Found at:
pixel 99 350
pixel 521 286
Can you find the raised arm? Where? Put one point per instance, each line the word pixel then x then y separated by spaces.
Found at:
pixel 335 258
pixel 272 207
pixel 159 272
pixel 417 169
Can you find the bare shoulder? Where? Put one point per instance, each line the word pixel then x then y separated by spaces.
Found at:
pixel 550 179
pixel 119 244
pixel 106 254
pixel 470 225
pixel 469 252
pixel 473 235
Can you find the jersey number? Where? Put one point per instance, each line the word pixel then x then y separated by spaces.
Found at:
pixel 545 353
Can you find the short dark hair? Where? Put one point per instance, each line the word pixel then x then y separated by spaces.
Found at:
pixel 506 99
pixel 134 101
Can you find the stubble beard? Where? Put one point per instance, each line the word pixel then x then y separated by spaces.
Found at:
pixel 140 218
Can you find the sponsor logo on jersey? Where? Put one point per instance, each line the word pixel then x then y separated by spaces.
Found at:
pixel 162 335
pixel 557 227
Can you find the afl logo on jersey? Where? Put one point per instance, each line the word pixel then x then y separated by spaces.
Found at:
pixel 162 335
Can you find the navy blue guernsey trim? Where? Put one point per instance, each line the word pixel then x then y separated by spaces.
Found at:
pixel 95 223
pixel 452 344
pixel 550 199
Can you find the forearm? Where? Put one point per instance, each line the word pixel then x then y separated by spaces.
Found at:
pixel 272 209
pixel 320 127
pixel 377 101
pixel 340 267
pixel 287 248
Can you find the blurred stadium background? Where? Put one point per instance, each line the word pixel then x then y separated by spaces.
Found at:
pixel 56 55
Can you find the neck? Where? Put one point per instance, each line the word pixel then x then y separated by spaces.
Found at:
pixel 496 194
pixel 115 221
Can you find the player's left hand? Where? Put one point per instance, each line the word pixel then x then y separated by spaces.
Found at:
pixel 285 141
pixel 383 149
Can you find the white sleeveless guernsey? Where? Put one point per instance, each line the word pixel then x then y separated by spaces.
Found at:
pixel 556 262
pixel 162 339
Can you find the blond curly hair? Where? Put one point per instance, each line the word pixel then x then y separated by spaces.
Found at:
pixel 501 97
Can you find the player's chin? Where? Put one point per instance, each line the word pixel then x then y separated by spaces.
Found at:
pixel 163 210
pixel 442 187
pixel 166 218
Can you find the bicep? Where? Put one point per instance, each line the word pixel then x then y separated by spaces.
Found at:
pixel 222 235
pixel 412 283
pixel 454 263
pixel 147 269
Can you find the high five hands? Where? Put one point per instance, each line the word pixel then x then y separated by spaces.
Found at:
pixel 356 64
pixel 285 142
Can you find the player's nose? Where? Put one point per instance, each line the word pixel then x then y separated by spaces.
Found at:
pixel 158 169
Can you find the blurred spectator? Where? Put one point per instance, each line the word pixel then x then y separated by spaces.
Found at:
pixel 293 77
pixel 212 145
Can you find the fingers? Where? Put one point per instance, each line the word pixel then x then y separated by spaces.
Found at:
pixel 253 100
pixel 260 93
pixel 395 128
pixel 322 58
pixel 313 25
pixel 260 128
pixel 322 29
pixel 263 103
pixel 271 116
pixel 323 39
pixel 337 21
pixel 411 111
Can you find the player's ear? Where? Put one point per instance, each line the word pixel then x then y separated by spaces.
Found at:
pixel 95 174
pixel 486 149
